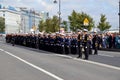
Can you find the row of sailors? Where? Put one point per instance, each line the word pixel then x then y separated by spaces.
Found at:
pixel 58 43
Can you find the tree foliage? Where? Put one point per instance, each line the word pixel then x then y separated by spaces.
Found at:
pixel 2 25
pixel 41 26
pixel 103 25
pixel 51 25
pixel 76 21
pixel 65 25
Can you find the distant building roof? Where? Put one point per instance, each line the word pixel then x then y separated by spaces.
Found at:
pixel 11 8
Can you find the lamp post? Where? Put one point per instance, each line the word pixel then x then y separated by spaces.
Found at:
pixel 59 12
pixel 119 16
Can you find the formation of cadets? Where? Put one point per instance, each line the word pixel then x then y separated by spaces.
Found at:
pixel 80 43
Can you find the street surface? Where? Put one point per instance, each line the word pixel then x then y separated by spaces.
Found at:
pixel 23 63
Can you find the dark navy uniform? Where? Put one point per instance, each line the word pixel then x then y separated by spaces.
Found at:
pixel 95 43
pixel 90 43
pixel 80 45
pixel 62 44
pixel 67 45
pixel 13 40
pixel 52 44
pixel 74 45
pixel 57 44
pixel 86 44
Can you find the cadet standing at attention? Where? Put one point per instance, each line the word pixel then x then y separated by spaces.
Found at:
pixel 80 41
pixel 86 43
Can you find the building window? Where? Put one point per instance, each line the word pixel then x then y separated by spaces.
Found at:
pixel 3 14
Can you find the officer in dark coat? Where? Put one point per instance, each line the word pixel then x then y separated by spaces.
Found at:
pixel 52 42
pixel 90 42
pixel 74 44
pixel 67 44
pixel 13 39
pixel 86 44
pixel 95 43
pixel 80 41
pixel 62 43
pixel 57 43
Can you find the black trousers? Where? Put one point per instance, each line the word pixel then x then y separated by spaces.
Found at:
pixel 86 53
pixel 74 50
pixel 96 50
pixel 80 51
pixel 87 49
pixel 67 50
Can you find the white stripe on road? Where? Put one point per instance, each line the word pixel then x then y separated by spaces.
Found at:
pixel 60 55
pixel 100 64
pixel 32 65
pixel 1 50
pixel 91 62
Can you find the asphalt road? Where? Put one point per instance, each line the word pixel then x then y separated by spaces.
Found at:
pixel 22 63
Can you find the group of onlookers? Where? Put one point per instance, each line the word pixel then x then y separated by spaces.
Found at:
pixel 110 40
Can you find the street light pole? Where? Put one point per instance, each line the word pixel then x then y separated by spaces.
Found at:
pixel 59 13
pixel 119 16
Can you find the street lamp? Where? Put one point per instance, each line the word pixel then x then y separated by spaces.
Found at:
pixel 59 12
pixel 119 16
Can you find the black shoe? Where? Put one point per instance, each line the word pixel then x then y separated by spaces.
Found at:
pixel 78 57
pixel 85 58
pixel 90 54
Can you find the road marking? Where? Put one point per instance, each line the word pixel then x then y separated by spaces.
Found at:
pixel 1 50
pixel 106 55
pixel 91 62
pixel 34 66
pixel 100 64
pixel 63 56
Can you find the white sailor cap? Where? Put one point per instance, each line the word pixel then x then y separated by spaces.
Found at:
pixel 94 31
pixel 78 30
pixel 85 30
pixel 57 32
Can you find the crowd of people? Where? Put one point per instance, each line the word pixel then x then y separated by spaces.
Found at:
pixel 79 43
pixel 110 40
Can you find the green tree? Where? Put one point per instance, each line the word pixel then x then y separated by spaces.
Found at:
pixel 55 24
pixel 103 25
pixel 65 25
pixel 2 25
pixel 49 25
pixel 41 26
pixel 76 21
pixel 73 21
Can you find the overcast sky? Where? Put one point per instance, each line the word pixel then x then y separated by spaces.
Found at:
pixel 92 7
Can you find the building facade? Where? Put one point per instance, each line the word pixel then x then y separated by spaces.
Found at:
pixel 20 20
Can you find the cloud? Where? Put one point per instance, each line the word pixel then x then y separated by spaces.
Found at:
pixel 92 7
pixel 18 0
pixel 46 5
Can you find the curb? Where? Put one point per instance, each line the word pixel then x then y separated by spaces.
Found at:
pixel 109 49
